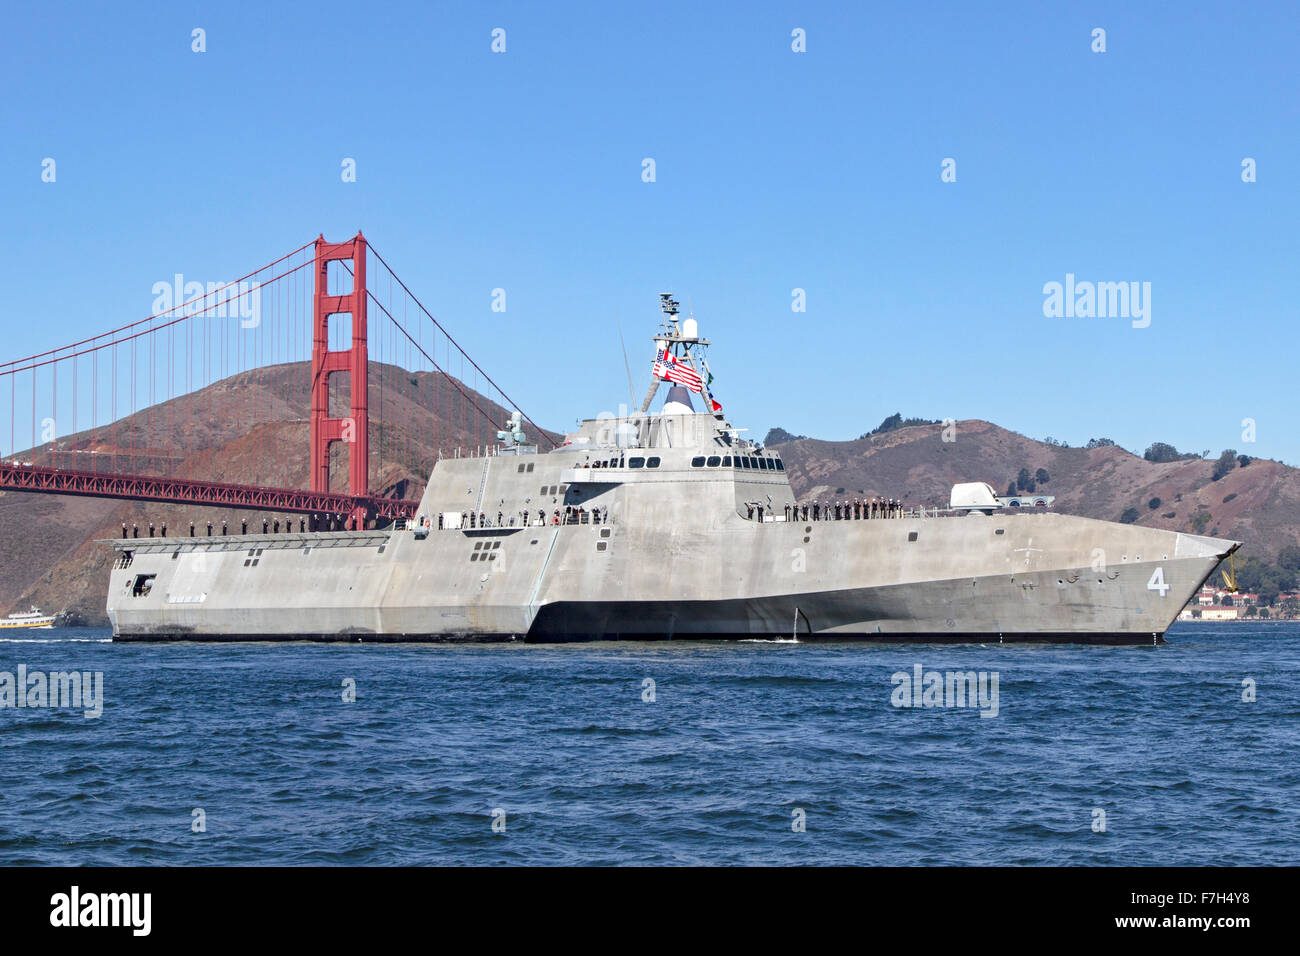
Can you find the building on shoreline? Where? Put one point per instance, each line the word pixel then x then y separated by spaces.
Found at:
pixel 1216 604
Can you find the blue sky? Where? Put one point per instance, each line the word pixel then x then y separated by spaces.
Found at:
pixel 775 170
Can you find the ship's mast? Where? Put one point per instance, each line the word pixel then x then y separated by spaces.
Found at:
pixel 672 340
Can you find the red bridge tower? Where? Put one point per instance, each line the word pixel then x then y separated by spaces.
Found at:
pixel 355 429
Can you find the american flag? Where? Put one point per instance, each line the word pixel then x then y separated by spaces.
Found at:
pixel 670 369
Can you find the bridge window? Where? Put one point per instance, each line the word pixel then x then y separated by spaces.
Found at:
pixel 714 461
pixel 530 466
pixel 636 462
pixel 763 465
pixel 726 461
pixel 780 465
pixel 697 461
pixel 652 462
pixel 744 463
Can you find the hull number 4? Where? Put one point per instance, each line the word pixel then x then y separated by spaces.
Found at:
pixel 1157 582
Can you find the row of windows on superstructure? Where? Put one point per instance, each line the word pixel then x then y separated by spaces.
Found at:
pixel 652 462
pixel 741 461
pixel 757 462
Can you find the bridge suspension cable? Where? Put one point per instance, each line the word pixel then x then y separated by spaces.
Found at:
pixel 214 388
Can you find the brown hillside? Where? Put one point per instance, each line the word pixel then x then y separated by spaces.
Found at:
pixel 251 428
pixel 916 464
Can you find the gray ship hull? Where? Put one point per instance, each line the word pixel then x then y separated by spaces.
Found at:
pixel 660 526
pixel 669 525
pixel 1000 578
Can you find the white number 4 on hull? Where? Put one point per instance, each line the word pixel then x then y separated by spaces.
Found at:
pixel 1157 582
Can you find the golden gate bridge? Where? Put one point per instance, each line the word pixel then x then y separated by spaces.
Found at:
pixel 127 413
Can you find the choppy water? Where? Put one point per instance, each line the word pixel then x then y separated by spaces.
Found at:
pixel 737 738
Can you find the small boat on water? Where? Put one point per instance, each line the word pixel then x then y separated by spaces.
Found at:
pixel 32 618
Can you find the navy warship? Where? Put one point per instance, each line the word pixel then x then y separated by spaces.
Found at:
pixel 665 524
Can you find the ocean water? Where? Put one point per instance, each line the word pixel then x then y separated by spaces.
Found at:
pixel 740 743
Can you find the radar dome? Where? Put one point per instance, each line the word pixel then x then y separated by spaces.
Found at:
pixel 678 402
